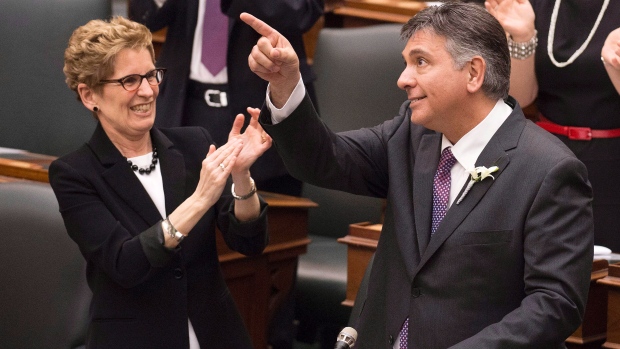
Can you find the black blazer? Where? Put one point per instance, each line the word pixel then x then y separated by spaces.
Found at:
pixel 143 293
pixel 292 18
pixel 508 267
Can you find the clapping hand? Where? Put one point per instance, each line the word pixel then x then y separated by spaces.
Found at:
pixel 216 167
pixel 255 141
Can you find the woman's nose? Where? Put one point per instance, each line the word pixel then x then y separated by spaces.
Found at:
pixel 145 88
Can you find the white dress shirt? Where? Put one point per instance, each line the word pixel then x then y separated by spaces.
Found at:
pixel 197 71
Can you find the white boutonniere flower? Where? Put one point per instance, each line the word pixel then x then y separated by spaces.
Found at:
pixel 477 175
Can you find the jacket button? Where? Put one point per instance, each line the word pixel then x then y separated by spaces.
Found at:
pixel 178 273
pixel 391 340
pixel 416 292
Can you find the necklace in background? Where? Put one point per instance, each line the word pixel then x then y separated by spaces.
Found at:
pixel 554 18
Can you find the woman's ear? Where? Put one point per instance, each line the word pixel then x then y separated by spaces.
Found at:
pixel 87 96
pixel 476 69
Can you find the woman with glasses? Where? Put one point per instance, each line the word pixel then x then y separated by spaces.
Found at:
pixel 143 203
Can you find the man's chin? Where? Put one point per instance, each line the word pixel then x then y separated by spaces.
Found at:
pixel 419 118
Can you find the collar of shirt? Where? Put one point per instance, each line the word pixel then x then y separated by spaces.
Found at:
pixel 468 148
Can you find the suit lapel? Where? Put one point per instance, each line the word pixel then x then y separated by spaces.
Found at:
pixel 402 186
pixel 172 170
pixel 121 178
pixel 457 213
pixel 427 159
pixel 494 154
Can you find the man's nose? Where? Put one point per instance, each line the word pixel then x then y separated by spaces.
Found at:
pixel 406 79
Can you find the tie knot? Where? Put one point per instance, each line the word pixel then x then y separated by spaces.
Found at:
pixel 447 160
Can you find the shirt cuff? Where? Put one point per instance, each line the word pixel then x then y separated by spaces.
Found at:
pixel 278 115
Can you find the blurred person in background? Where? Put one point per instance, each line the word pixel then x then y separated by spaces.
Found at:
pixel 208 80
pixel 565 57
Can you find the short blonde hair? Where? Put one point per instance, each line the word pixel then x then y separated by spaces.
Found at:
pixel 92 48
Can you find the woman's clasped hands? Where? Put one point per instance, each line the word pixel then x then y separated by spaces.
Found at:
pixel 233 158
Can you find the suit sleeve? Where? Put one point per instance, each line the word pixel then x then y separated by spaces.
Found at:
pixel 248 238
pixel 102 239
pixel 558 253
pixel 353 161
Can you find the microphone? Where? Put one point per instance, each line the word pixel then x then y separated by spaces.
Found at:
pixel 346 338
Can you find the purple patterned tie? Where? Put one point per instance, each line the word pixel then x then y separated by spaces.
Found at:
pixel 214 37
pixel 403 335
pixel 441 195
pixel 441 187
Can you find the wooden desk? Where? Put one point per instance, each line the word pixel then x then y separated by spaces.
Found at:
pixel 356 13
pixel 612 284
pixel 25 165
pixel 258 284
pixel 593 330
pixel 361 244
pixel 601 319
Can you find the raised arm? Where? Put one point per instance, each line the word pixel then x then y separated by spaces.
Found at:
pixel 517 19
pixel 216 167
pixel 255 142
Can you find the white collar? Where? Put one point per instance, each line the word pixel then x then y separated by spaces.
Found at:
pixel 468 148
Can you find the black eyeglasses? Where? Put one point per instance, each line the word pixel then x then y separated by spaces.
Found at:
pixel 132 82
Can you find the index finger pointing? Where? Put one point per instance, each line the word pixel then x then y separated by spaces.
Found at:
pixel 259 26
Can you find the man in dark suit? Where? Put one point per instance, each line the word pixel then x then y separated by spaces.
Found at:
pixel 191 96
pixel 488 245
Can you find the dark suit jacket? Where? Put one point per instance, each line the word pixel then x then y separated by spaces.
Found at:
pixel 508 267
pixel 291 18
pixel 144 293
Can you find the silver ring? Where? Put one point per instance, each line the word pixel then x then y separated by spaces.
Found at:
pixel 222 166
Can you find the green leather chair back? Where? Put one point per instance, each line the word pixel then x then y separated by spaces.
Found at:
pixel 38 111
pixel 357 70
pixel 45 297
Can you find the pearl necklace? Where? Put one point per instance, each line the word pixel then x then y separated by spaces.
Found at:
pixel 554 17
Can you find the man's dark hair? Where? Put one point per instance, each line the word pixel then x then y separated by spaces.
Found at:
pixel 469 31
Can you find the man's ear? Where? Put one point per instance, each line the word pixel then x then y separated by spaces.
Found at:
pixel 87 96
pixel 476 69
